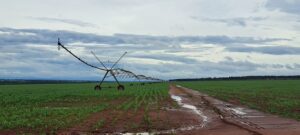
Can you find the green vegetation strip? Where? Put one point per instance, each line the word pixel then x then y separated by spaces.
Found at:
pixel 50 107
pixel 281 97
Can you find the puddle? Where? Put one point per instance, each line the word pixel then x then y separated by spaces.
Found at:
pixel 185 128
pixel 178 86
pixel 237 110
pixel 191 107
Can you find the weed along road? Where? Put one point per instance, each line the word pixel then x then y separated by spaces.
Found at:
pixel 221 118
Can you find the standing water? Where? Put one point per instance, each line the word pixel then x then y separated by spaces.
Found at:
pixel 191 107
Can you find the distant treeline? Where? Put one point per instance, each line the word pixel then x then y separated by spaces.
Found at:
pixel 24 81
pixel 20 81
pixel 241 78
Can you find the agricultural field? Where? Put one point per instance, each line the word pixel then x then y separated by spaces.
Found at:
pixel 281 97
pixel 51 108
pixel 151 108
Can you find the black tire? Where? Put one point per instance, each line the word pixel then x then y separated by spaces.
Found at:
pixel 97 87
pixel 121 87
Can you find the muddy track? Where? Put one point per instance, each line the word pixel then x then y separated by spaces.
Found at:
pixel 253 121
pixel 212 121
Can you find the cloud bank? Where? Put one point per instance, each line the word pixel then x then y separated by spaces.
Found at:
pixel 32 53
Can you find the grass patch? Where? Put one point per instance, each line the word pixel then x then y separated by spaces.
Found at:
pixel 281 97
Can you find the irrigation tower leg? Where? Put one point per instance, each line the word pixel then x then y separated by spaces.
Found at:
pixel 98 87
pixel 120 87
pixel 103 78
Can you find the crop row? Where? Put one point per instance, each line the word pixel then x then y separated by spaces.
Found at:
pixel 51 107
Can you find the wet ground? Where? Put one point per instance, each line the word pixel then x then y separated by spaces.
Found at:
pixel 235 119
pixel 211 121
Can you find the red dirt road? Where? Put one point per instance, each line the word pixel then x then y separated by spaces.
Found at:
pixel 234 119
pixel 213 124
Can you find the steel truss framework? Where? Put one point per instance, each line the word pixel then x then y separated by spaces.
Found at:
pixel 112 71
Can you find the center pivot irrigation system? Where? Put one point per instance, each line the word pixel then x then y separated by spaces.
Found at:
pixel 111 71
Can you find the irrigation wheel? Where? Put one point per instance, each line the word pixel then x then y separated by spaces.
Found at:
pixel 121 87
pixel 97 87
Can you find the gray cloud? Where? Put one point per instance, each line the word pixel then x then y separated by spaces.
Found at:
pixel 288 6
pixel 48 63
pixel 67 21
pixel 226 67
pixel 274 50
pixel 166 57
pixel 239 21
pixel 297 66
pixel 198 69
pixel 42 36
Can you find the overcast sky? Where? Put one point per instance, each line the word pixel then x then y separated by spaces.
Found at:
pixel 164 38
